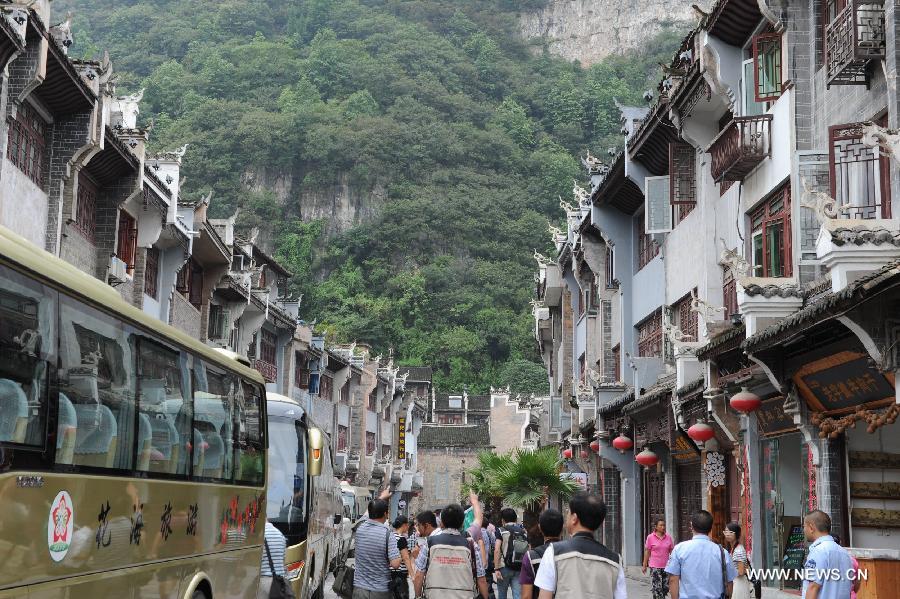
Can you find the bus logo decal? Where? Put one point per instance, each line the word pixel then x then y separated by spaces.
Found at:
pixel 60 526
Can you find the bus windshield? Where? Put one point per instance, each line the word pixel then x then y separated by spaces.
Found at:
pixel 286 503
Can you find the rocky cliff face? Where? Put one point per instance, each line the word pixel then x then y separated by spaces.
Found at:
pixel 588 30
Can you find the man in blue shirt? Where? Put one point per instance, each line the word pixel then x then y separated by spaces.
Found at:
pixel 376 553
pixel 827 571
pixel 700 568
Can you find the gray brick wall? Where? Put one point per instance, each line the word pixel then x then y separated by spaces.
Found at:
pixel 184 316
pixel 444 467
pixel 68 134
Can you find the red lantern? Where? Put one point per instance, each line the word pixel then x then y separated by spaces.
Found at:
pixel 595 446
pixel 584 454
pixel 647 458
pixel 622 443
pixel 567 453
pixel 745 401
pixel 701 432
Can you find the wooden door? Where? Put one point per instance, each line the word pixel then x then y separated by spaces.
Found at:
pixel 689 497
pixel 654 499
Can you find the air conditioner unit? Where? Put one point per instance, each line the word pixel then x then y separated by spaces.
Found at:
pixel 117 271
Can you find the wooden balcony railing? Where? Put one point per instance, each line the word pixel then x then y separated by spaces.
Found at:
pixel 855 37
pixel 268 370
pixel 740 146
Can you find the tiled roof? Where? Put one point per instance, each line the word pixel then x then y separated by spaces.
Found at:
pixel 617 404
pixel 691 387
pixel 657 392
pixel 417 373
pixel 722 343
pixel 753 289
pixel 476 436
pixel 826 307
pixel 477 403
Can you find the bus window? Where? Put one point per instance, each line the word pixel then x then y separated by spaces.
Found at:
pixel 286 503
pixel 251 443
pixel 214 398
pixel 164 424
pixel 27 348
pixel 96 377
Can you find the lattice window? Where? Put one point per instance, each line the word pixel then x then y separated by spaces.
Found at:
pixel 617 364
pixel 151 273
pixel 126 245
pixel 86 208
pixel 449 419
pixel 767 66
pixel 345 393
pixel 729 292
pixel 218 322
pixel 370 443
pixel 26 147
pixel 650 336
pixel 195 286
pixel 687 318
pixel 342 438
pixel 301 370
pixel 326 385
pixel 860 176
pixel 370 401
pixel 771 226
pixel 682 178
pixel 267 346
pixel 647 248
pixel 610 267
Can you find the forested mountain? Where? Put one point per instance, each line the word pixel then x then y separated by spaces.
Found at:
pixel 402 157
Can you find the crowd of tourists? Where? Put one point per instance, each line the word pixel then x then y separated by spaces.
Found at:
pixel 457 553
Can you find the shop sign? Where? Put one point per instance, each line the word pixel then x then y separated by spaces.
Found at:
pixel 683 448
pixel 842 382
pixel 401 438
pixel 772 419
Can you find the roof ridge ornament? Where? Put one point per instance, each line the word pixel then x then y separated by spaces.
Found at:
pixel 886 140
pixel 567 207
pixel 581 194
pixel 704 309
pixel 822 204
pixel 710 66
pixel 732 259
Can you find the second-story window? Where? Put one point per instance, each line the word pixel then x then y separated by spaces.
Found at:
pixel 86 207
pixel 218 322
pixel 610 267
pixel 650 336
pixel 267 346
pixel 860 175
pixel 729 293
pixel 345 393
pixel 126 245
pixel 682 178
pixel 301 370
pixel 326 384
pixel 151 273
pixel 767 66
pixel 617 364
pixel 26 145
pixel 449 419
pixel 687 318
pixel 770 223
pixel 647 249
pixel 370 443
pixel 341 438
pixel 370 402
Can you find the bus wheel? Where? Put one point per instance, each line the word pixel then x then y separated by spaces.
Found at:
pixel 199 594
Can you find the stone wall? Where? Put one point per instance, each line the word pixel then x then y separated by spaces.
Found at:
pixel 442 468
pixel 506 426
pixel 589 30
pixel 184 316
pixel 23 205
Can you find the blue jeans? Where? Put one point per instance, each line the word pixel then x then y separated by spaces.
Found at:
pixel 509 579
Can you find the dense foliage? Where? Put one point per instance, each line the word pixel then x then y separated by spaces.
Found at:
pixel 471 132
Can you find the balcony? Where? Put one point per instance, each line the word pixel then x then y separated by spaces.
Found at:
pixel 853 39
pixel 268 370
pixel 740 147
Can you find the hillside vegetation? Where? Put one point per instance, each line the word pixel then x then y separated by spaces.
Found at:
pixel 471 132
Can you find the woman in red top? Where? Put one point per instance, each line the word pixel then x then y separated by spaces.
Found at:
pixel 657 549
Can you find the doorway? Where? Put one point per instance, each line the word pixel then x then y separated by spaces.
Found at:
pixel 690 498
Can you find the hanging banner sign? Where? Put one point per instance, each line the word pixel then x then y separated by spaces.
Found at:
pixel 401 438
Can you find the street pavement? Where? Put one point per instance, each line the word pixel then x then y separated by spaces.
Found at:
pixel 637 589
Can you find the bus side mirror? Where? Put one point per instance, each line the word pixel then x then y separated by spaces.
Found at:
pixel 316 451
pixel 337 519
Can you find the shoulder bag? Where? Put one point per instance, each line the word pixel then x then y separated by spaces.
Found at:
pixel 281 588
pixel 724 573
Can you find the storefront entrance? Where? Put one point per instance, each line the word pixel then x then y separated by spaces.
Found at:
pixel 690 498
pixel 654 497
pixel 783 495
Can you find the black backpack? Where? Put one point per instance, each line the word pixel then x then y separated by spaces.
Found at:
pixel 516 547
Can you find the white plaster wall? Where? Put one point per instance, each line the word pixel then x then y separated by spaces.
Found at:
pixel 774 170
pixel 649 290
pixel 371 422
pixel 682 254
pixel 580 339
pixel 23 205
pixel 886 439
pixel 343 415
pixel 153 308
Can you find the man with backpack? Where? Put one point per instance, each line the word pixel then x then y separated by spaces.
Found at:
pixel 551 525
pixel 509 551
pixel 450 566
pixel 376 553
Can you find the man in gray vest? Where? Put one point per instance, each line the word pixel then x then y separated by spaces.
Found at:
pixel 450 565
pixel 581 568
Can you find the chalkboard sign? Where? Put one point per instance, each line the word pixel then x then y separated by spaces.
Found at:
pixel 794 550
pixel 842 382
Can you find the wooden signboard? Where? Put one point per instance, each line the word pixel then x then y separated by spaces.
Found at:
pixel 772 419
pixel 840 383
pixel 683 448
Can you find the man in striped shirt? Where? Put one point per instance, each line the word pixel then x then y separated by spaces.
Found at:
pixel 376 553
pixel 275 545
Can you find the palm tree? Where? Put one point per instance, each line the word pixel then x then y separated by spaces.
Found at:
pixel 522 479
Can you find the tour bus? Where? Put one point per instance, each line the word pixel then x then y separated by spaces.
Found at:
pixel 133 456
pixel 301 495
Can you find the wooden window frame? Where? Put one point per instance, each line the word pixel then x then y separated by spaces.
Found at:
pixel 617 357
pixel 729 292
pixel 151 273
pixel 86 208
pixel 682 178
pixel 688 322
pixel 650 336
pixel 345 393
pixel 268 346
pixel 767 45
pixel 217 323
pixel 851 131
pixel 301 372
pixel 764 217
pixel 371 443
pixel 326 387
pixel 126 240
pixel 611 267
pixel 342 437
pixel 647 248
pixel 27 143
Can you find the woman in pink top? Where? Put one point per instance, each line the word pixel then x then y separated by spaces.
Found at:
pixel 657 549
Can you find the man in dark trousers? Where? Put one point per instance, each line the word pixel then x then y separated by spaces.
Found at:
pixel 376 553
pixel 449 566
pixel 551 524
pixel 506 571
pixel 581 568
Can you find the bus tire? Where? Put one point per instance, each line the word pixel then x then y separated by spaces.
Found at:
pixel 199 594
